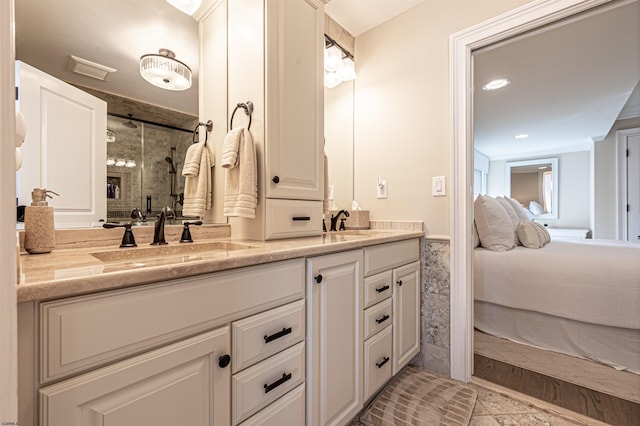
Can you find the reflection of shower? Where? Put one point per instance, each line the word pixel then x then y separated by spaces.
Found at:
pixel 172 175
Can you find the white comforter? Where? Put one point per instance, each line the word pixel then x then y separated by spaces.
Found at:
pixel 593 281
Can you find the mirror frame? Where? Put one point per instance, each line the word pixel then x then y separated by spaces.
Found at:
pixel 556 173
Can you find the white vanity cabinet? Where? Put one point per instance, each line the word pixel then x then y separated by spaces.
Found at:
pixel 275 60
pixel 163 353
pixel 334 342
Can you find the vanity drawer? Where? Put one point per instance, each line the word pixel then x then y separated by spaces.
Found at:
pixel 87 331
pixel 292 218
pixel 288 410
pixel 259 385
pixel 260 336
pixel 377 318
pixel 387 256
pixel 377 288
pixel 377 362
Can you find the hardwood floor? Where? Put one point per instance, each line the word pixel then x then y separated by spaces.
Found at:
pixel 585 387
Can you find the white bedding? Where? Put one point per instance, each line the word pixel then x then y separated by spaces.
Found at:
pixel 593 281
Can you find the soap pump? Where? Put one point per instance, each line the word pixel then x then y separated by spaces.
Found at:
pixel 39 229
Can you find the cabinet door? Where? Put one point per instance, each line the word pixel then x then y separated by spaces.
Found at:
pixel 294 111
pixel 406 314
pixel 334 342
pixel 186 383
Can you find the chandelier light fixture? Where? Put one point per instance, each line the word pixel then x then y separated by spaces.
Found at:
pixel 165 71
pixel 338 64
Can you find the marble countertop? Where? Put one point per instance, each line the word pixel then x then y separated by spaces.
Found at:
pixel 74 271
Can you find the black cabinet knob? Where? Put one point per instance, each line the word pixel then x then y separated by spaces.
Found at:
pixel 276 179
pixel 399 282
pixel 224 360
pixel 318 278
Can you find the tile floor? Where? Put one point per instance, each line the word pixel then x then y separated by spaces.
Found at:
pixel 497 406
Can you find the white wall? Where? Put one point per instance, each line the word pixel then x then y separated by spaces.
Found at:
pixel 605 180
pixel 402 109
pixel 573 188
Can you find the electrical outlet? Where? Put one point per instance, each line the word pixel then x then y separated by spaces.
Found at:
pixel 381 188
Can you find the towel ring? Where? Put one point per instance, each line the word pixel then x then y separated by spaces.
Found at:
pixel 248 109
pixel 196 131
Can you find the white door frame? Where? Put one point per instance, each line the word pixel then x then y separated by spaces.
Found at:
pixel 621 180
pixel 8 307
pixel 461 44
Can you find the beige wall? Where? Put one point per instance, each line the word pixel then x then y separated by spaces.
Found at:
pixel 402 109
pixel 605 180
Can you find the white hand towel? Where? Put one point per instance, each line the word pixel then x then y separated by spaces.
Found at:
pixel 241 176
pixel 325 201
pixel 198 186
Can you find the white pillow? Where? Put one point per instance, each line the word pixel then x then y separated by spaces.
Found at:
pixel 513 216
pixel 535 208
pixel 520 211
pixel 529 234
pixel 476 238
pixel 495 229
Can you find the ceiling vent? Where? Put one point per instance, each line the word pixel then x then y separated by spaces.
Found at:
pixel 89 68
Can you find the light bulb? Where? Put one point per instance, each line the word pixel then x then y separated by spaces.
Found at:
pixel 333 60
pixel 348 71
pixel 331 80
pixel 111 161
pixel 120 162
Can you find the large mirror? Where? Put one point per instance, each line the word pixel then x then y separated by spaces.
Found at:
pixel 534 183
pixel 116 33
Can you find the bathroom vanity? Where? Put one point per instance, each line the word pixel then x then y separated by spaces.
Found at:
pixel 290 332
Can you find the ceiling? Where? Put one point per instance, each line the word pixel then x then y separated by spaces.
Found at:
pixel 569 83
pixel 359 16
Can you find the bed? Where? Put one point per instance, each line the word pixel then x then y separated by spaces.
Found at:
pixel 578 297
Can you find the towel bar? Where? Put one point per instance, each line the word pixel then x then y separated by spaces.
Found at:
pixel 248 109
pixel 196 131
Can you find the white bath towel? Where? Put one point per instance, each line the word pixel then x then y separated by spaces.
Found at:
pixel 241 175
pixel 198 185
pixel 325 201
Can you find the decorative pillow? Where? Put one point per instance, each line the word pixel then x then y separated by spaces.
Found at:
pixel 517 207
pixel 535 208
pixel 495 229
pixel 513 216
pixel 543 232
pixel 529 234
pixel 476 238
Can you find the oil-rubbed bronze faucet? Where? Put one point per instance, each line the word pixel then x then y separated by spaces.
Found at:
pixel 334 219
pixel 158 233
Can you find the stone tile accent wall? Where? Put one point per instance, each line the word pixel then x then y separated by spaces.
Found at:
pixel 434 351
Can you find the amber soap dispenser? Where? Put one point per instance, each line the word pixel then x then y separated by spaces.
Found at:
pixel 39 229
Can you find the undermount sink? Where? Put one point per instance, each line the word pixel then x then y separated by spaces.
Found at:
pixel 353 234
pixel 135 253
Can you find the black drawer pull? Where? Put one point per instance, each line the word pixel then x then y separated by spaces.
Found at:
pixel 399 283
pixel 272 386
pixel 277 335
pixel 383 362
pixel 224 360
pixel 383 288
pixel 318 278
pixel 382 319
pixel 301 218
pixel 276 179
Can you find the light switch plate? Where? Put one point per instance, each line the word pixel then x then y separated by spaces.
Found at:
pixel 439 186
pixel 381 188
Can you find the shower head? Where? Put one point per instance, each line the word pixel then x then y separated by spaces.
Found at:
pixel 129 123
pixel 170 161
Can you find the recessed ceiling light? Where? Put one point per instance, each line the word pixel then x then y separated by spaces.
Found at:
pixel 521 136
pixel 496 84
